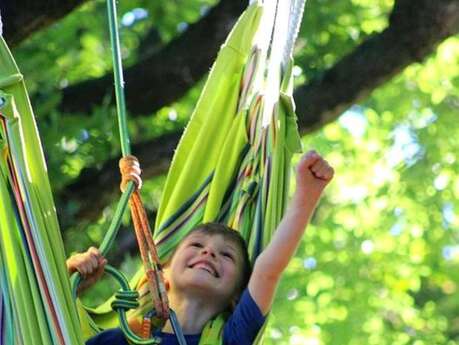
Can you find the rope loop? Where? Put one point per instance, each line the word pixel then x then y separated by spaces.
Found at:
pixel 130 171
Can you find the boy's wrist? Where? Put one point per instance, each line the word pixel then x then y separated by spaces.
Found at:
pixel 304 197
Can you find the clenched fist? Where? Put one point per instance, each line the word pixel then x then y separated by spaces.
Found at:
pixel 313 174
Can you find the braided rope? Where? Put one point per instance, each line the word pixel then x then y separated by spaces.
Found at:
pixel 287 15
pixel 288 36
pixel 295 18
pixel 130 171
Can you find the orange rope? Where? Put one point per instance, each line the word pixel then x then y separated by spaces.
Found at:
pixel 130 171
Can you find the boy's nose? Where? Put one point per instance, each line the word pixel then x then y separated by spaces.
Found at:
pixel 208 251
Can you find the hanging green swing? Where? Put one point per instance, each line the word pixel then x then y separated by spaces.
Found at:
pixel 231 166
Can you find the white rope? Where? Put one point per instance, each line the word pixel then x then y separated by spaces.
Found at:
pixel 295 18
pixel 1 25
pixel 279 26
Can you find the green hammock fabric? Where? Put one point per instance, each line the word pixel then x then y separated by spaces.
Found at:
pixel 228 167
pixel 202 141
pixel 208 179
pixel 211 148
pixel 37 306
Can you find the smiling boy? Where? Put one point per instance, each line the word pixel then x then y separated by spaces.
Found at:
pixel 210 268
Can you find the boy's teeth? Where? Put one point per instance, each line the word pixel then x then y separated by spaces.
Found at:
pixel 206 268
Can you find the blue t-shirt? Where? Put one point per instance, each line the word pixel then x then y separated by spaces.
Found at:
pixel 241 328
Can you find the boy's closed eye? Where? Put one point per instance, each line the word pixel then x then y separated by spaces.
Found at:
pixel 227 255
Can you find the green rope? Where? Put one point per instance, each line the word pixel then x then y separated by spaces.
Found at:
pixel 112 231
pixel 118 74
pixel 126 298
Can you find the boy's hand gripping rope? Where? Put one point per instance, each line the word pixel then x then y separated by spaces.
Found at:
pixel 130 171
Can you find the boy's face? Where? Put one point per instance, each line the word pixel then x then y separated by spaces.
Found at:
pixel 206 264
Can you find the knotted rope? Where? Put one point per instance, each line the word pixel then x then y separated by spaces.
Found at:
pixel 130 171
pixel 125 300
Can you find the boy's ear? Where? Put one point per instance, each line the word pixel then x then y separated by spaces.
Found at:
pixel 166 272
pixel 167 285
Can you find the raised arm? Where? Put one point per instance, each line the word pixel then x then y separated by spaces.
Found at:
pixel 313 175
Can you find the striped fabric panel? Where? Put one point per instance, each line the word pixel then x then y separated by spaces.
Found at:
pixel 249 77
pixel 6 321
pixel 9 324
pixel 186 218
pixel 2 311
pixel 26 226
pixel 32 247
pixel 233 204
pixel 6 317
pixel 36 304
pixel 176 219
pixel 249 196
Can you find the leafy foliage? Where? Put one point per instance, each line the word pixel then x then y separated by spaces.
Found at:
pixel 379 264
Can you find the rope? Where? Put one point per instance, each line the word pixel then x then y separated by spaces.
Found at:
pixel 130 171
pixel 295 18
pixel 286 15
pixel 130 185
pixel 282 18
pixel 118 75
pixel 126 299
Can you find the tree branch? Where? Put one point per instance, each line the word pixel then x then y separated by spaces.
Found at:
pixel 415 29
pixel 166 75
pixel 96 188
pixel 21 18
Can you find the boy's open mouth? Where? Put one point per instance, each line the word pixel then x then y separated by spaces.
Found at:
pixel 206 266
